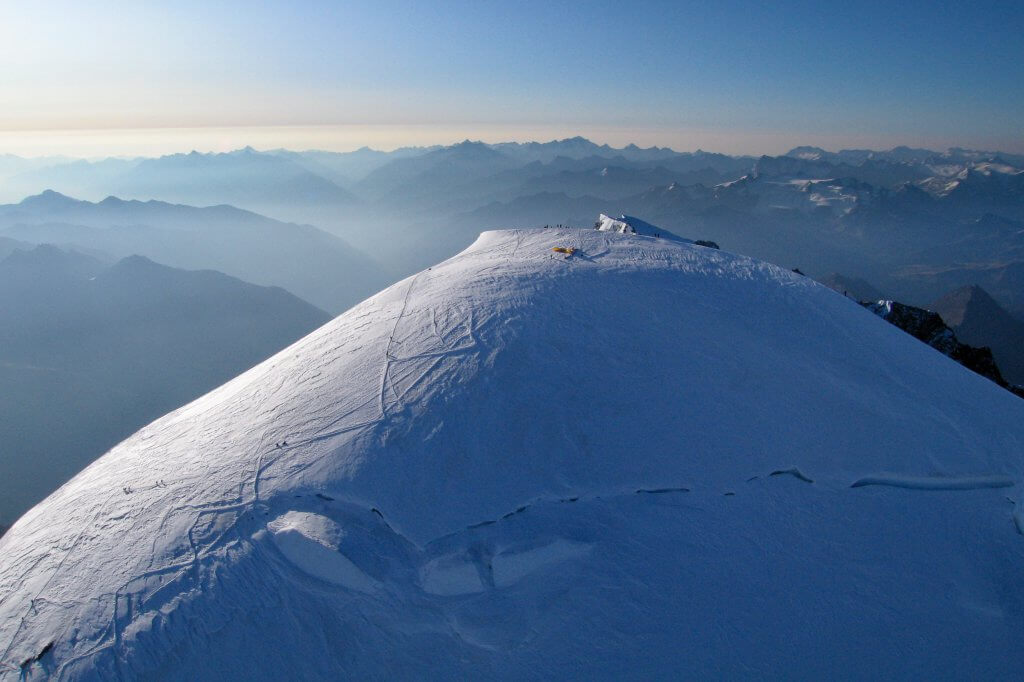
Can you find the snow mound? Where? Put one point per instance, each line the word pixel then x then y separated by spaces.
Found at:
pixel 629 225
pixel 312 542
pixel 647 458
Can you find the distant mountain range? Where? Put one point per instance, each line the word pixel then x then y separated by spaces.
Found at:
pixel 243 177
pixel 309 262
pixel 89 352
pixel 917 222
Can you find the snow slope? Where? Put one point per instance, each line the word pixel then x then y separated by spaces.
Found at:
pixel 648 459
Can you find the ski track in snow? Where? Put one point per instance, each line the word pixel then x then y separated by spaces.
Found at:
pixel 261 466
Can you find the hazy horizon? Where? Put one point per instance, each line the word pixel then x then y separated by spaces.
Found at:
pixel 148 142
pixel 150 78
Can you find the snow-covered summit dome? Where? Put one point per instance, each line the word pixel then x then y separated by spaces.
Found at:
pixel 645 459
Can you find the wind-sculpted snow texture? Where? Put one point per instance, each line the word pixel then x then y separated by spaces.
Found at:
pixel 646 459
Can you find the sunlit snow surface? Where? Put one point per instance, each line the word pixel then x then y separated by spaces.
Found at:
pixel 647 459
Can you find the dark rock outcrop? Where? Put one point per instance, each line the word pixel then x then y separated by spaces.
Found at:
pixel 928 327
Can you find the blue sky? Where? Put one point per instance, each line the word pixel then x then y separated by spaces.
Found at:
pixel 726 75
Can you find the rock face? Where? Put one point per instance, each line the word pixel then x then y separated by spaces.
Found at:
pixel 648 458
pixel 926 326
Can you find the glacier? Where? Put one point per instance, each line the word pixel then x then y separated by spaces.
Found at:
pixel 648 459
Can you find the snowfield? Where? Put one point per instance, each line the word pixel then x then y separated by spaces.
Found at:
pixel 646 459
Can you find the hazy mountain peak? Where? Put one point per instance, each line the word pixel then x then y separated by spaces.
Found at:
pixel 37 254
pixel 807 152
pixel 136 261
pixel 51 260
pixel 967 301
pixel 49 199
pixel 978 319
pixel 467 149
